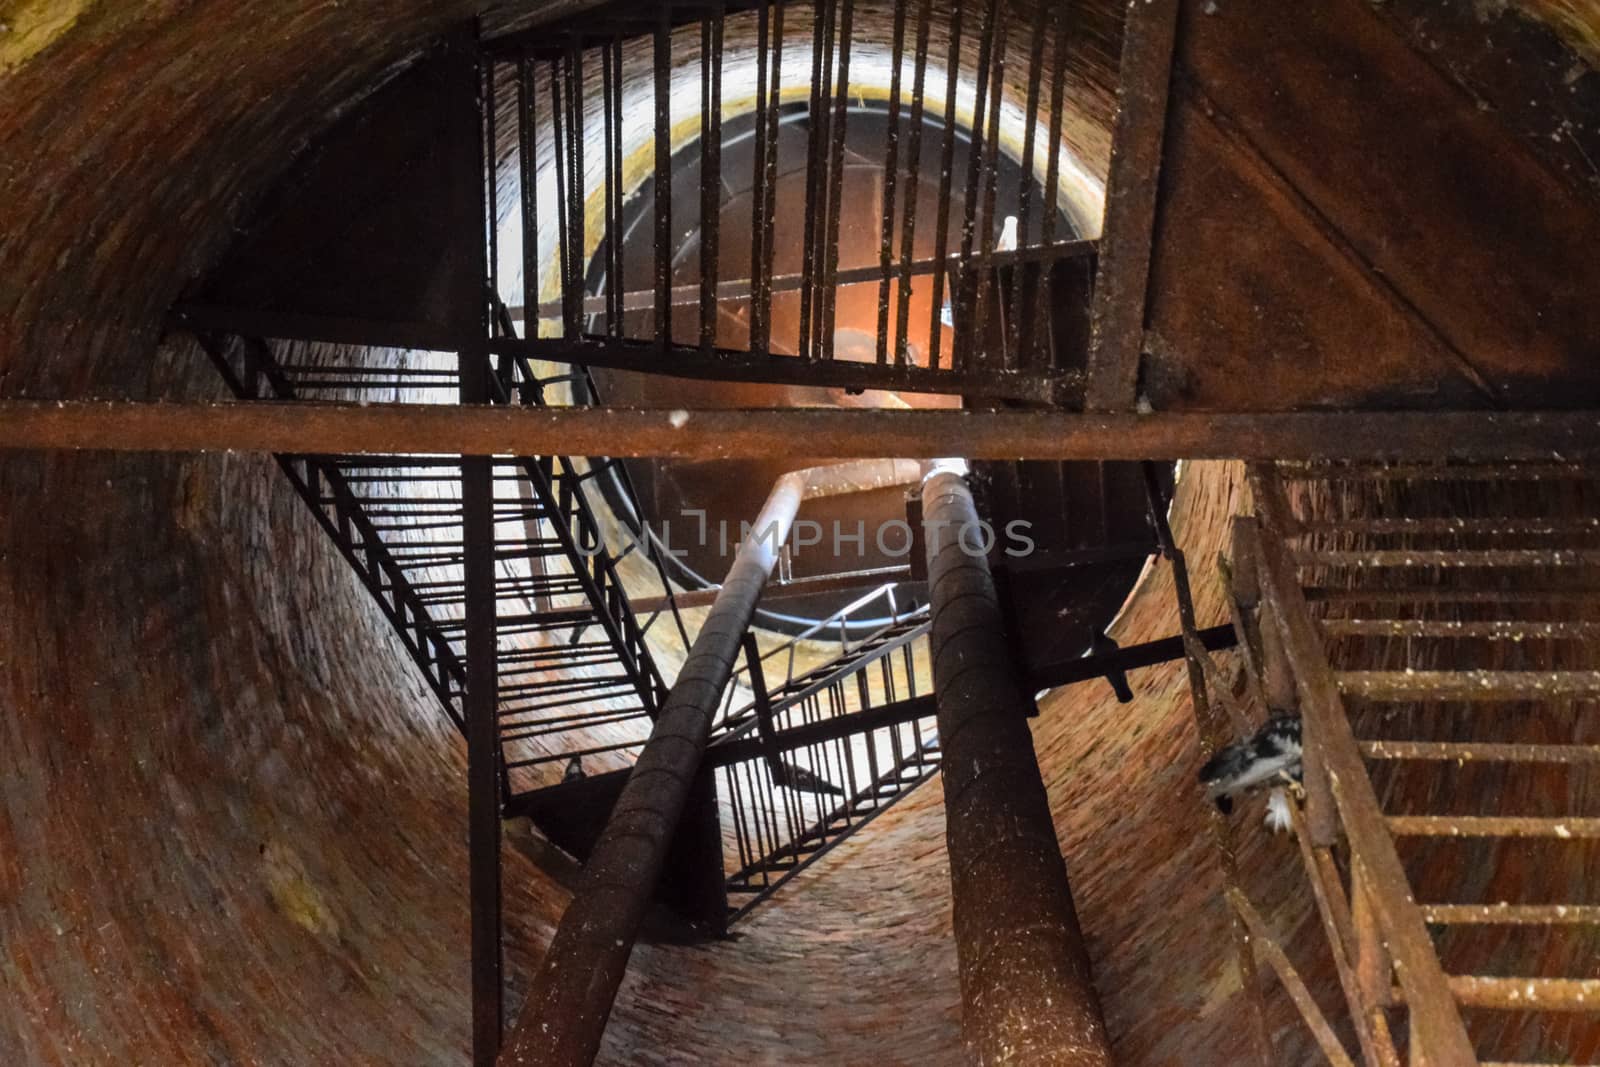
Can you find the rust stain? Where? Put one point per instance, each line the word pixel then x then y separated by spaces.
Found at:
pixel 28 27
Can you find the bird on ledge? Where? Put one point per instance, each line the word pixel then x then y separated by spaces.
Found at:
pixel 1271 757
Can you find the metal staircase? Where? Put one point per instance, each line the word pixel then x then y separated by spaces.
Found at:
pixel 1435 624
pixel 572 659
pixel 821 766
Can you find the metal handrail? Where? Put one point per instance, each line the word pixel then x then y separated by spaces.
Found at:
pixel 1338 791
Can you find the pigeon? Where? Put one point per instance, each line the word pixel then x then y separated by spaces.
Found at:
pixel 1271 757
pixel 575 771
pixel 803 781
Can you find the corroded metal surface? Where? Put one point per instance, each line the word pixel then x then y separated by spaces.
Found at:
pixel 1027 991
pixel 566 1011
pixel 829 433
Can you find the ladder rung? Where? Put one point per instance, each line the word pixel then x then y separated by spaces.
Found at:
pixel 1492 826
pixel 1452 526
pixel 1496 630
pixel 1422 594
pixel 1468 685
pixel 1487 557
pixel 1511 914
pixel 1480 751
pixel 1433 471
pixel 1527 994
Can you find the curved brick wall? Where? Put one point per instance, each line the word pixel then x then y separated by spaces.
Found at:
pixel 232 825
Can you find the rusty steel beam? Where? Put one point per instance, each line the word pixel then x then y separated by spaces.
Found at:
pixel 1026 989
pixel 337 428
pixel 565 1014
pixel 1121 284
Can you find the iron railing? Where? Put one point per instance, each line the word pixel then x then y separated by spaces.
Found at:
pixel 960 285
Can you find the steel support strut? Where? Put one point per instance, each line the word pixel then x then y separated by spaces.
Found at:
pixel 565 1015
pixel 1027 995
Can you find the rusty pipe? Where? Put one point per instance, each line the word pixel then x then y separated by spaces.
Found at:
pixel 564 1017
pixel 1027 995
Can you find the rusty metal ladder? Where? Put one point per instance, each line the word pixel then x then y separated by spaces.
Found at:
pixel 1433 625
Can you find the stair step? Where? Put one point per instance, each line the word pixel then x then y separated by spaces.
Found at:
pixel 1447 557
pixel 1494 630
pixel 1492 826
pixel 1454 526
pixel 1511 914
pixel 1478 751
pixel 1422 594
pixel 1446 472
pixel 1468 685
pixel 1527 994
pixel 1485 557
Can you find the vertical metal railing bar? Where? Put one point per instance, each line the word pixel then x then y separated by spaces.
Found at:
pixel 663 180
pixel 767 828
pixel 611 233
pixel 1020 324
pixel 614 238
pixel 1000 30
pixel 816 163
pixel 490 132
pixel 830 288
pixel 848 753
pixel 710 173
pixel 908 230
pixel 563 194
pixel 763 291
pixel 966 280
pixel 758 181
pixel 577 134
pixel 736 808
pixel 946 165
pixel 897 46
pixel 1052 179
pixel 527 176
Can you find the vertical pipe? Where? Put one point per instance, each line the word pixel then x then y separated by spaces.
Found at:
pixel 565 1014
pixel 1026 990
